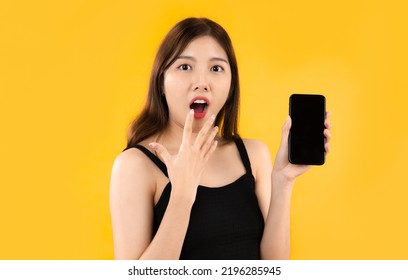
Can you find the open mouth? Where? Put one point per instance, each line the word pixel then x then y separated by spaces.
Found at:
pixel 199 105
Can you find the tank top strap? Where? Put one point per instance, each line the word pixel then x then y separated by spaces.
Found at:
pixel 244 155
pixel 152 157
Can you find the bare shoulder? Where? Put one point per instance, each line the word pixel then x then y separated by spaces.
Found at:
pixel 254 145
pixel 259 155
pixel 130 158
pixel 130 168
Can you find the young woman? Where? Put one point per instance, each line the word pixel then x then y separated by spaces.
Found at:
pixel 187 186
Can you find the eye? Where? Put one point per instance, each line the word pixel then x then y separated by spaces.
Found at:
pixel 184 67
pixel 217 68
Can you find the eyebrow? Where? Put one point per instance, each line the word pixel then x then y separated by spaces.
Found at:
pixel 211 59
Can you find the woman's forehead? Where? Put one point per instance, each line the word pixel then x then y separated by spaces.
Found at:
pixel 204 45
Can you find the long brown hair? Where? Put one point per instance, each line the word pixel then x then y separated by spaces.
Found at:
pixel 154 116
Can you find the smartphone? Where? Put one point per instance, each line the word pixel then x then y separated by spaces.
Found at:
pixel 306 139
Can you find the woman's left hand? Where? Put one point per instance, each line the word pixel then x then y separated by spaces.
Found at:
pixel 282 165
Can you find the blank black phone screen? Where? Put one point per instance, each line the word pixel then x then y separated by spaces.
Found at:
pixel 306 139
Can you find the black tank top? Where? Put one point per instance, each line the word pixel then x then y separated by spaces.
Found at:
pixel 225 222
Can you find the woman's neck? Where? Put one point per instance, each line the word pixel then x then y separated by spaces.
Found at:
pixel 172 136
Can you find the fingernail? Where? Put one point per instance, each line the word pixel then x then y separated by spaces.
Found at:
pixel 191 111
pixel 152 145
pixel 213 117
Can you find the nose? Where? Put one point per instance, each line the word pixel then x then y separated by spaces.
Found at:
pixel 201 82
pixel 198 88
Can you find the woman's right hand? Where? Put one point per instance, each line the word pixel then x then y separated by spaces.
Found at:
pixel 186 167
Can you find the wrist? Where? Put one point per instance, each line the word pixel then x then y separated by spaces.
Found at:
pixel 182 198
pixel 281 182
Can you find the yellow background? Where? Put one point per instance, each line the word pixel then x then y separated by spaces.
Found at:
pixel 73 74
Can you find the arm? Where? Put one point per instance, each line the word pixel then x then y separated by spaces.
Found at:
pixel 274 201
pixel 131 204
pixel 275 243
pixel 131 196
pixel 132 191
pixel 274 192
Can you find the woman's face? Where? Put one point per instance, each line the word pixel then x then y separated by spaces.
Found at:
pixel 199 79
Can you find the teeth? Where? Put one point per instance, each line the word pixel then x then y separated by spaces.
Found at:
pixel 199 101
